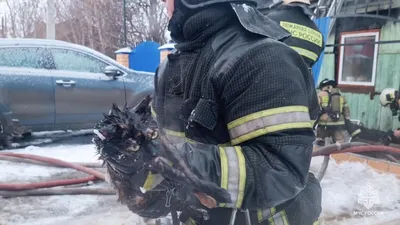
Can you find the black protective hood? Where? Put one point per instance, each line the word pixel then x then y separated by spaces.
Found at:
pixel 246 11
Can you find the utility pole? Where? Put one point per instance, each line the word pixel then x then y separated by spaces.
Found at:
pixel 125 42
pixel 51 25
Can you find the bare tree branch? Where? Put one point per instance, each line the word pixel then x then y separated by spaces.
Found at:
pixel 97 24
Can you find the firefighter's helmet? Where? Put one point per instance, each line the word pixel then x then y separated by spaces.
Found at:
pixel 326 82
pixel 388 96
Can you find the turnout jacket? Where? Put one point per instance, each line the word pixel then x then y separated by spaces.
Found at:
pixel 241 100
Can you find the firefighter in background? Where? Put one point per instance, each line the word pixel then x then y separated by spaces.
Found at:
pixel 389 97
pixel 334 116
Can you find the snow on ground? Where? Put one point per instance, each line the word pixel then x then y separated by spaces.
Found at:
pixel 52 133
pixel 343 186
pixel 71 153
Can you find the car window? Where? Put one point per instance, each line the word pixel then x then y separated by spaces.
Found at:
pixel 76 61
pixel 25 57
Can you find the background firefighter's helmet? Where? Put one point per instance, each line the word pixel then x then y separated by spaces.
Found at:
pixel 326 82
pixel 388 96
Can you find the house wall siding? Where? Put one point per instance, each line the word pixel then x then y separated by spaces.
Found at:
pixel 370 112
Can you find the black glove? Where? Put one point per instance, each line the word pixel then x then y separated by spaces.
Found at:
pixel 386 139
pixel 186 160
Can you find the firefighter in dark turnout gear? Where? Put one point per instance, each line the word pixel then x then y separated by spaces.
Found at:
pixel 225 98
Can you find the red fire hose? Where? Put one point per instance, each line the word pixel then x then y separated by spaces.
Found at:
pixel 14 187
pixel 46 184
pixel 351 147
pixel 370 148
pixel 56 162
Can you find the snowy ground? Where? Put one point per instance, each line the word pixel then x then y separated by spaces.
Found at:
pixel 344 186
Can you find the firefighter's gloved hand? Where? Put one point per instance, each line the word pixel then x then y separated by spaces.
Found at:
pixel 386 139
pixel 191 171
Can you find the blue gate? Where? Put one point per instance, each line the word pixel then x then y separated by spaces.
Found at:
pixel 323 25
pixel 145 57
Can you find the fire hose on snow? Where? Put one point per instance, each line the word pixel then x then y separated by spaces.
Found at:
pixel 46 188
pixel 29 189
pixel 350 147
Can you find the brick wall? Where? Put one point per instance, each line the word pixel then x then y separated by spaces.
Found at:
pixel 123 59
pixel 163 54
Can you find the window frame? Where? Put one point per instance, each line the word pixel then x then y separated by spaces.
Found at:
pixel 355 85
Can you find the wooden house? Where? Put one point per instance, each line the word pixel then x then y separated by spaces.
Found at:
pixel 363 55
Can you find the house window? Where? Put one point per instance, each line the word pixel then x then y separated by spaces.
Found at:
pixel 358 59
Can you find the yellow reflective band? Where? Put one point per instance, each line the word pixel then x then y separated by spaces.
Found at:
pixel 268 121
pixel 174 133
pixel 224 171
pixel 306 53
pixel 284 218
pixel 191 141
pixel 153 113
pixel 225 144
pixel 233 175
pixel 392 96
pixel 322 123
pixel 242 176
pixel 303 32
pixel 355 132
pixel 177 137
pixel 190 221
pixel 278 218
pixel 259 216
pixel 324 101
pixel 341 103
pixel 152 180
pixel 316 222
pixel 271 219
pixel 263 214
